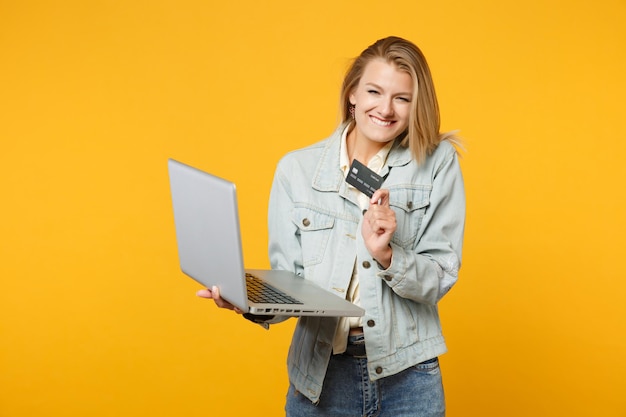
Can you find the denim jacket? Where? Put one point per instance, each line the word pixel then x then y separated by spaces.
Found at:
pixel 315 231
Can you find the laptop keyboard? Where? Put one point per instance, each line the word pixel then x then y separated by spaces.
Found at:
pixel 261 292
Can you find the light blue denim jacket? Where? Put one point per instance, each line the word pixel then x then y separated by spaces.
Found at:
pixel 314 231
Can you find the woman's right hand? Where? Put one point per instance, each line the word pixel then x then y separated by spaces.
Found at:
pixel 214 293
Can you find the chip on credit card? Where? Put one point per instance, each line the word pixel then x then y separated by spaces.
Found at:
pixel 363 179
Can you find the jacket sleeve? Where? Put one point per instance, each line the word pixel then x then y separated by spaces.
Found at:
pixel 428 271
pixel 285 250
pixel 284 243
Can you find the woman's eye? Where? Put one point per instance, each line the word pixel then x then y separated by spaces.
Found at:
pixel 404 99
pixel 372 91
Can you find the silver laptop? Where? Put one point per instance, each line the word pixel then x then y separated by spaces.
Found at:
pixel 209 251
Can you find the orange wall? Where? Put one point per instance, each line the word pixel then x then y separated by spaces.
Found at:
pixel 96 318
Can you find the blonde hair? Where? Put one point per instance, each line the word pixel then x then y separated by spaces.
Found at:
pixel 422 135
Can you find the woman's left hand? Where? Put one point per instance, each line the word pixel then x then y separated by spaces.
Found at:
pixel 379 225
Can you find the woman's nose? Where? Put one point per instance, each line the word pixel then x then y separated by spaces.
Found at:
pixel 386 108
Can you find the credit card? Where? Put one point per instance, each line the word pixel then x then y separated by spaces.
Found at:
pixel 363 179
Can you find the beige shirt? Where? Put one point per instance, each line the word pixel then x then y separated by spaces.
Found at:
pixel 376 163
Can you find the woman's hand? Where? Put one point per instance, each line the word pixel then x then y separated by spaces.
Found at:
pixel 379 225
pixel 214 293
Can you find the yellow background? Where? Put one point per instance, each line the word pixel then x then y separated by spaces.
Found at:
pixel 97 320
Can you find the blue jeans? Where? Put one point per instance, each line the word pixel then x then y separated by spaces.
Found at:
pixel 348 391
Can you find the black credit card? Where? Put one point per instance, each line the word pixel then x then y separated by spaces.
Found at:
pixel 363 179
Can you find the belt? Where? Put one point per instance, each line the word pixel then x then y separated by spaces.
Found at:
pixel 356 346
pixel 356 349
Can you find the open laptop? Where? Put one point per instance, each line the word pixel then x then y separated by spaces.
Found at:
pixel 209 250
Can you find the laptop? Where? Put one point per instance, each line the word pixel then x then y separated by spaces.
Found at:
pixel 209 250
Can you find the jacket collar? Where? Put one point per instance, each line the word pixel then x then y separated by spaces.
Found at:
pixel 328 175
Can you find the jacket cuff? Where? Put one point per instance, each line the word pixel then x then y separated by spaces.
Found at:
pixel 396 270
pixel 264 321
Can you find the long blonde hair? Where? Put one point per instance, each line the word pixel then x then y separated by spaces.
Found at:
pixel 422 135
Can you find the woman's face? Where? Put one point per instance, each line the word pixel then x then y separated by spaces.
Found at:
pixel 382 101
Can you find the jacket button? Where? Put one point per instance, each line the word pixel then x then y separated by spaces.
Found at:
pixel 388 277
pixel 366 264
pixel 379 370
pixel 371 323
pixel 306 222
pixel 409 205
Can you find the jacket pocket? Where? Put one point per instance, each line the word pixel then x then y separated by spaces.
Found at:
pixel 409 202
pixel 314 228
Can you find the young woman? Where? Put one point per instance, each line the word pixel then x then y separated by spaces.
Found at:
pixel 395 254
